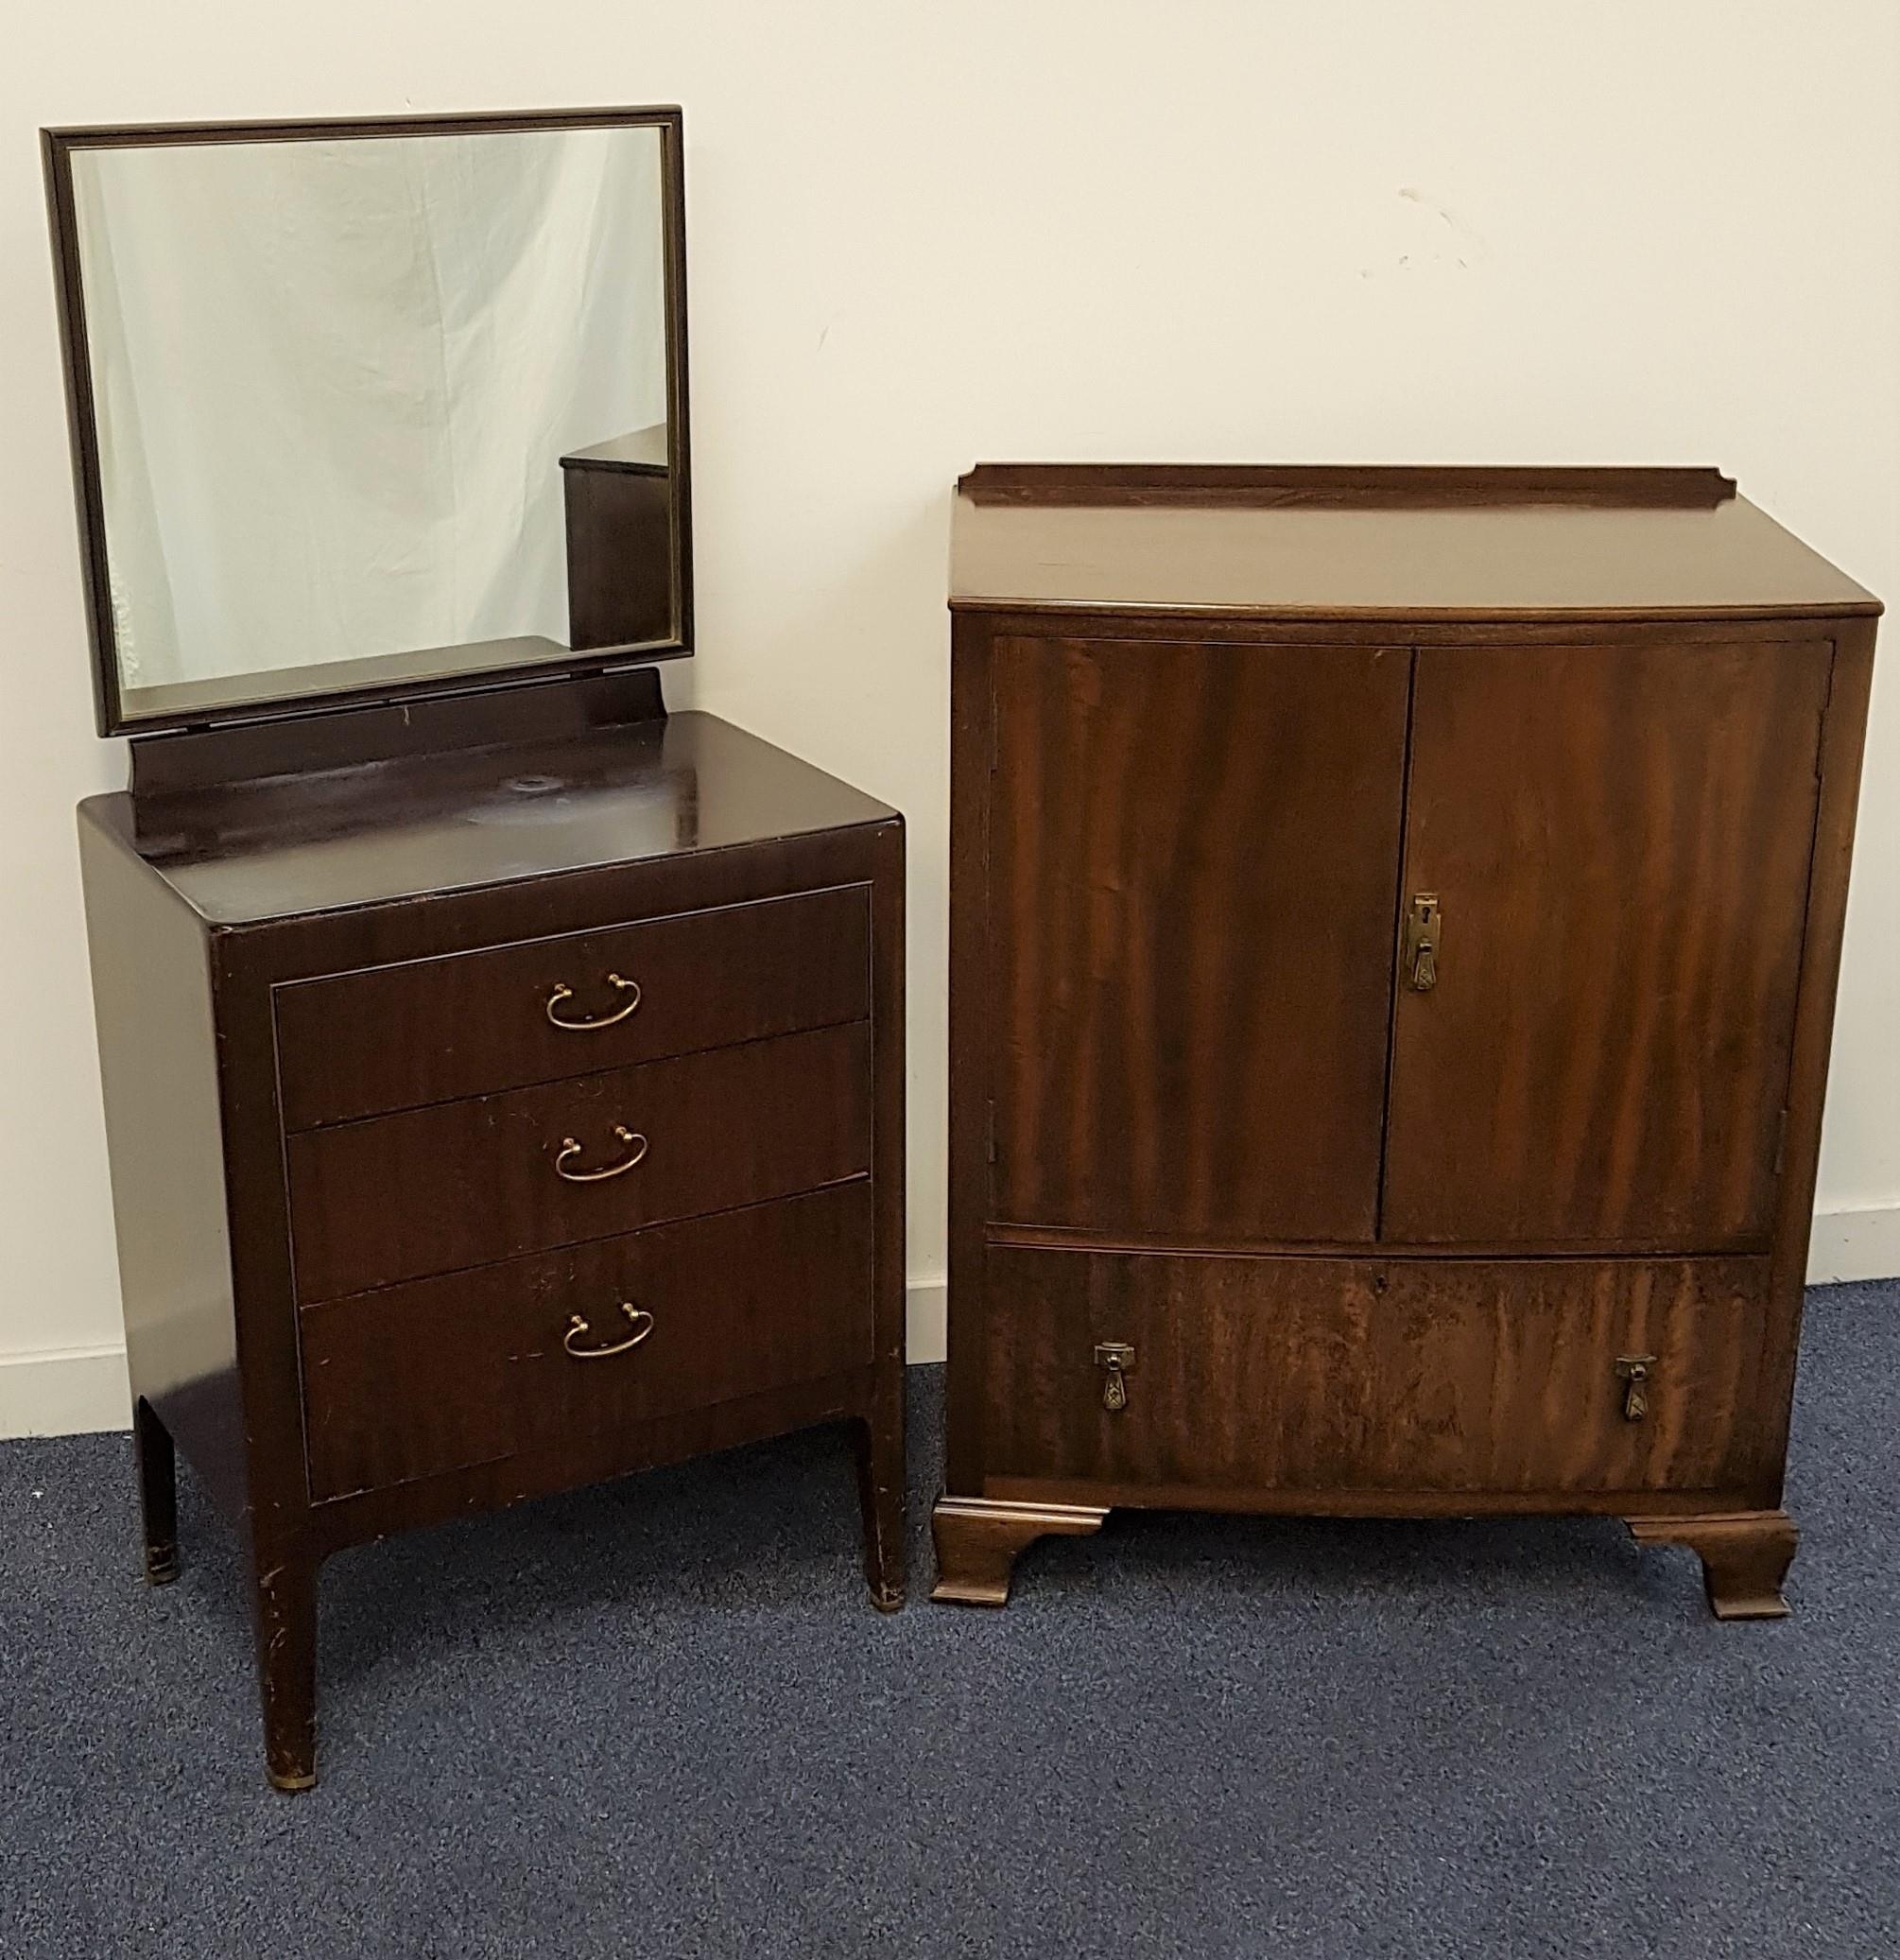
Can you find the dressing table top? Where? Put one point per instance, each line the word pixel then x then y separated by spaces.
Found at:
pixel 416 826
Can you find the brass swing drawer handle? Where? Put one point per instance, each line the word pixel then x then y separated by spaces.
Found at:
pixel 638 1319
pixel 1636 1373
pixel 1117 1358
pixel 572 1147
pixel 579 1023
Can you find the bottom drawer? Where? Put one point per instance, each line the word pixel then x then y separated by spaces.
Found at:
pixel 1318 1374
pixel 472 1367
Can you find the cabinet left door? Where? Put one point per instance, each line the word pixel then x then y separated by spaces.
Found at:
pixel 1192 859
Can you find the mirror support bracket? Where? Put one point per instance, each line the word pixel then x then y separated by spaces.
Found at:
pixel 562 707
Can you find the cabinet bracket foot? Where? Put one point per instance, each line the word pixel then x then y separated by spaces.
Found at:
pixel 978 1540
pixel 1745 1557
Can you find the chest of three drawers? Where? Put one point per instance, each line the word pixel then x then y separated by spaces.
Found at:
pixel 599 1179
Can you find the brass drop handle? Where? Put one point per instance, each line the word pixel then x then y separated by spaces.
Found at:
pixel 1633 1370
pixel 580 1022
pixel 1117 1357
pixel 572 1148
pixel 638 1319
pixel 1422 920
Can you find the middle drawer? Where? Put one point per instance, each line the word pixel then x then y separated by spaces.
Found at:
pixel 469 1182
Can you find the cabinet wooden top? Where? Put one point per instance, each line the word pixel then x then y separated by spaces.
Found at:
pixel 410 826
pixel 1380 543
pixel 644 453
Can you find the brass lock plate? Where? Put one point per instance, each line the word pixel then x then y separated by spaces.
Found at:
pixel 1423 921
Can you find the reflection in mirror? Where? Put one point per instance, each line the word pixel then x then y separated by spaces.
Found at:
pixel 377 409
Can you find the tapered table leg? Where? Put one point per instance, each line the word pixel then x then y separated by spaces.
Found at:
pixel 157 1465
pixel 880 1485
pixel 287 1665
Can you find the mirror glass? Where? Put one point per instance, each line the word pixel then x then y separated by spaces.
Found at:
pixel 375 411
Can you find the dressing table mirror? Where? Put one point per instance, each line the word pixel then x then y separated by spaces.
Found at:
pixel 365 408
pixel 503 1079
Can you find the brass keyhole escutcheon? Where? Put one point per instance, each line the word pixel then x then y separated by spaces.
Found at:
pixel 1633 1370
pixel 1117 1358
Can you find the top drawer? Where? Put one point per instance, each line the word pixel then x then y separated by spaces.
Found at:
pixel 430 1031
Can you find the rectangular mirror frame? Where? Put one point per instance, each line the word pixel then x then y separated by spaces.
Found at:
pixel 58 148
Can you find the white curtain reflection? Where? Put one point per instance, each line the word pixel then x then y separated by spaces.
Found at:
pixel 335 380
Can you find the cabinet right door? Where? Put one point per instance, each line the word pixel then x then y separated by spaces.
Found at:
pixel 1616 840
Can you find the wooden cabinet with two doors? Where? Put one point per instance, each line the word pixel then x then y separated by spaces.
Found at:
pixel 1395 918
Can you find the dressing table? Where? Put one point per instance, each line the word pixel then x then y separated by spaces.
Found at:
pixel 503 1078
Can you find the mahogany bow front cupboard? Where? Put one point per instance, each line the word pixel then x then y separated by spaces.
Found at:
pixel 1396 917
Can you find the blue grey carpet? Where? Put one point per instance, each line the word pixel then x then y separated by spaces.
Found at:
pixel 660 1719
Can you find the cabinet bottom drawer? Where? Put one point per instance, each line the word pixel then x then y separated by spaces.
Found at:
pixel 440 1374
pixel 1352 1375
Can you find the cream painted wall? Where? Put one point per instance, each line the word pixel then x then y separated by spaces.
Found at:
pixel 1475 229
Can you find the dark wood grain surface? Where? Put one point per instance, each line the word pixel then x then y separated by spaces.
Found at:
pixel 1619 841
pixel 743 1301
pixel 428 1031
pixel 464 1184
pixel 372 833
pixel 1628 779
pixel 1842 745
pixel 179 783
pixel 444 851
pixel 1392 551
pixel 881 1451
pixel 592 1456
pixel 619 511
pixel 972 1066
pixel 151 971
pixel 1313 1374
pixel 1192 859
pixel 1347 486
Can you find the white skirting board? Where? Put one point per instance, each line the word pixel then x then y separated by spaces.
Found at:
pixel 74 1391
pixel 924 1322
pixel 1855 1245
pixel 65 1392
